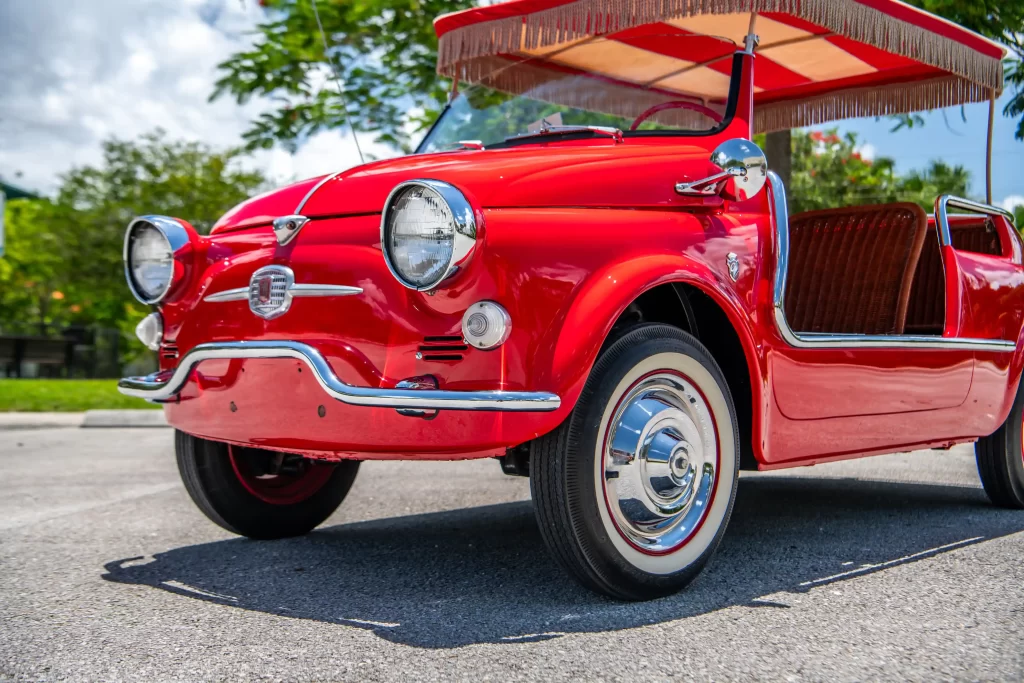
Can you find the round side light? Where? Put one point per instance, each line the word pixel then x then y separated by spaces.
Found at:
pixel 151 331
pixel 486 325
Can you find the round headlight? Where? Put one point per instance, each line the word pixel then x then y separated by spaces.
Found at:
pixel 150 245
pixel 427 232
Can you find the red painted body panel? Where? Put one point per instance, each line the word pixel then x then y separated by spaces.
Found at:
pixel 570 233
pixel 264 208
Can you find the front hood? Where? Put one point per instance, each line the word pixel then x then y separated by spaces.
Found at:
pixel 638 172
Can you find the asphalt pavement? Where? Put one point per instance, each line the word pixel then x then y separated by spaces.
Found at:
pixel 894 567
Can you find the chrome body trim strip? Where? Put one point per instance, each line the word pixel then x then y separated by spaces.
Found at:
pixel 152 388
pixel 238 294
pixel 309 195
pixel 806 340
pixel 943 204
pixel 296 290
pixel 324 290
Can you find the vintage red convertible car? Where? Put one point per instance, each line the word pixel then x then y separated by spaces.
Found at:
pixel 589 272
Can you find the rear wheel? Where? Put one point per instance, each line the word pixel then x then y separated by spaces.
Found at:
pixel 634 490
pixel 1001 459
pixel 259 493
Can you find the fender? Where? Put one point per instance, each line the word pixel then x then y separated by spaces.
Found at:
pixel 607 294
pixel 1013 378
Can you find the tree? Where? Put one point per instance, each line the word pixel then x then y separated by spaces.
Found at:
pixel 386 51
pixel 828 172
pixel 63 264
pixel 1000 20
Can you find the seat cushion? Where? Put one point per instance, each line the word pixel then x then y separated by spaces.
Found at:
pixel 851 269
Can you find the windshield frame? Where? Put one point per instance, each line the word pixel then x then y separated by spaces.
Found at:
pixel 731 106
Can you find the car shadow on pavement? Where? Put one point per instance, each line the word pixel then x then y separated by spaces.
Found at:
pixel 481 574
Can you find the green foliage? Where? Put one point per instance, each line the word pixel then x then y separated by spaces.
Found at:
pixel 385 51
pixel 1000 20
pixel 828 172
pixel 63 264
pixel 64 396
pixel 33 272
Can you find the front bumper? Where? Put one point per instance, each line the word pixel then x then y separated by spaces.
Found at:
pixel 160 387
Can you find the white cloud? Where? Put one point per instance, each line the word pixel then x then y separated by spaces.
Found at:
pixel 867 151
pixel 75 73
pixel 323 153
pixel 1012 202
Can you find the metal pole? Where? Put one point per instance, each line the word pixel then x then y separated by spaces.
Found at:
pixel 988 155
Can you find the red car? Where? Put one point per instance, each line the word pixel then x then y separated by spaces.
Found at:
pixel 589 272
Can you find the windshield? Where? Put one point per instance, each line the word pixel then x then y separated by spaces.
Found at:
pixel 695 100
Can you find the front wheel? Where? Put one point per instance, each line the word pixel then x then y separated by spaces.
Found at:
pixel 259 493
pixel 1000 459
pixel 634 490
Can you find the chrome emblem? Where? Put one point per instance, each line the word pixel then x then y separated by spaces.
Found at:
pixel 732 261
pixel 270 291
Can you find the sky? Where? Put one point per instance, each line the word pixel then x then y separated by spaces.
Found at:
pixel 75 72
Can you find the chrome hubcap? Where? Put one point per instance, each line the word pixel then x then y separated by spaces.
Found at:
pixel 660 459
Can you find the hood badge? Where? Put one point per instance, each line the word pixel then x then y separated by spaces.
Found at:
pixel 269 291
pixel 287 227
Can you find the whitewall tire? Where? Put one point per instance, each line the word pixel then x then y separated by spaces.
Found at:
pixel 634 491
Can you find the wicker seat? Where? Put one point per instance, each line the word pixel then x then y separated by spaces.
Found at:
pixel 851 269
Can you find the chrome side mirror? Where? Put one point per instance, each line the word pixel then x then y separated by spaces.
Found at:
pixel 744 172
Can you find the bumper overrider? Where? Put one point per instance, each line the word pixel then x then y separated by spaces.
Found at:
pixel 163 387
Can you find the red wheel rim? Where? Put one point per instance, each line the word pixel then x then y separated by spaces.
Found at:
pixel 281 485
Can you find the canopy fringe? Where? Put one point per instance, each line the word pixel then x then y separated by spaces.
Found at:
pixel 582 18
pixel 899 98
pixel 623 100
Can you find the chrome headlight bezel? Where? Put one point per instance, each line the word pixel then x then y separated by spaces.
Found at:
pixel 178 240
pixel 464 233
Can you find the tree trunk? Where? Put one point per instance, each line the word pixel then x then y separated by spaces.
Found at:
pixel 780 154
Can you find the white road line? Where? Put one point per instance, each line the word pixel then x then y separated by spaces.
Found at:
pixel 872 567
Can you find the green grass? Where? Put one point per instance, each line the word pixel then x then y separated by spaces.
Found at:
pixel 64 396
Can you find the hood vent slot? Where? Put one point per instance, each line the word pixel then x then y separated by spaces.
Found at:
pixel 442 349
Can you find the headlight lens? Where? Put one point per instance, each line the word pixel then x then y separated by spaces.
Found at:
pixel 428 230
pixel 153 247
pixel 150 261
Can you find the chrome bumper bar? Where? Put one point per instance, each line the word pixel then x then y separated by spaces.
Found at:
pixel 154 389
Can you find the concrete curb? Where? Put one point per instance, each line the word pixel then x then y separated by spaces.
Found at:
pixel 10 421
pixel 124 418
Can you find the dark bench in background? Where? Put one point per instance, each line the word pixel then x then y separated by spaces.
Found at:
pixel 55 354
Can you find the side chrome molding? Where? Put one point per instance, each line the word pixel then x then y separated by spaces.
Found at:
pixel 296 290
pixel 805 340
pixel 156 388
pixel 943 204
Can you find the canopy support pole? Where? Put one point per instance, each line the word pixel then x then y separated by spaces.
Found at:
pixel 751 40
pixel 988 153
